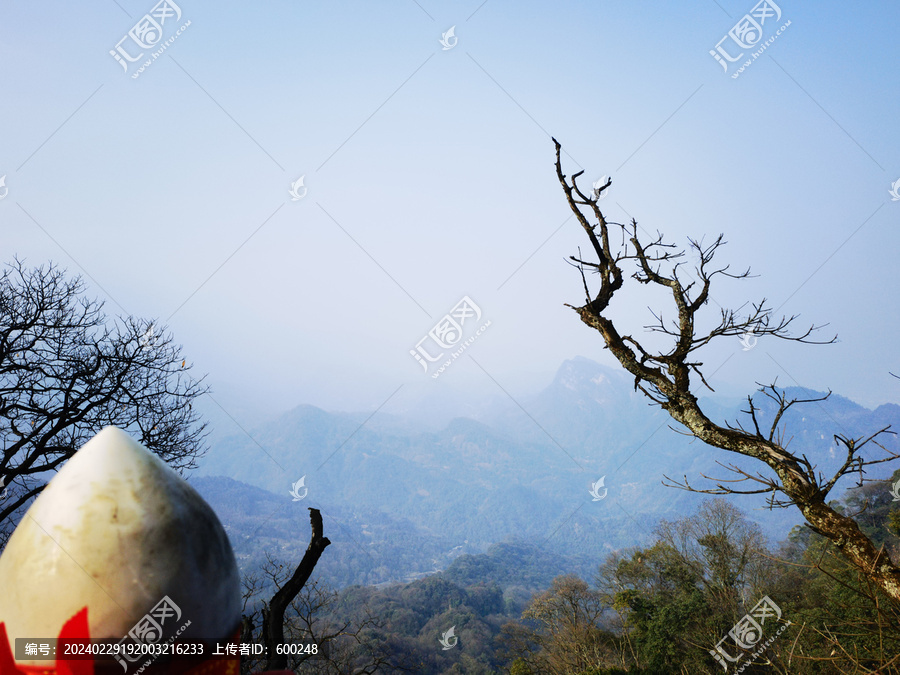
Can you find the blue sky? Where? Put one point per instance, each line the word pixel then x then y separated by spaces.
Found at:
pixel 429 177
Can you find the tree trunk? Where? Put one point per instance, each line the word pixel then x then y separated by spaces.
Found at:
pixel 273 623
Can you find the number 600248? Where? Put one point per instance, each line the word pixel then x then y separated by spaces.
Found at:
pixel 298 648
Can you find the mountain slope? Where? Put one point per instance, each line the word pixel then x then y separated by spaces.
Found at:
pixel 522 469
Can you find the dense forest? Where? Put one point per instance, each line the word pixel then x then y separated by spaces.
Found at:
pixel 707 580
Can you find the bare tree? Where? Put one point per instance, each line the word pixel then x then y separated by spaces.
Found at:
pixel 561 632
pixel 65 373
pixel 273 615
pixel 724 550
pixel 301 612
pixel 664 374
pixel 703 569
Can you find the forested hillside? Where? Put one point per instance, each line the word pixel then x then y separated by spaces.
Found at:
pixel 657 609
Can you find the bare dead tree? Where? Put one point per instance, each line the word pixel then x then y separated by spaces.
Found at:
pixel 66 372
pixel 273 613
pixel 273 618
pixel 346 646
pixel 561 631
pixel 664 376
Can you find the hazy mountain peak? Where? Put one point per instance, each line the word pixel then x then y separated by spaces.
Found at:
pixel 580 372
pixel 305 412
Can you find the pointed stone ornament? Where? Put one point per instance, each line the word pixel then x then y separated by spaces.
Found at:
pixel 116 531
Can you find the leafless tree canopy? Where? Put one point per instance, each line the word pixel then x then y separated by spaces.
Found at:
pixel 66 372
pixel 664 375
pixel 561 632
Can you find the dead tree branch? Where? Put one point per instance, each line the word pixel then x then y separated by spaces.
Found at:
pixel 273 619
pixel 664 375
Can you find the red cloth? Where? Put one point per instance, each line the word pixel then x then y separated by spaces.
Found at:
pixel 75 628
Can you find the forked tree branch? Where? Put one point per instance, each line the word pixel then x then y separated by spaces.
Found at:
pixel 273 623
pixel 664 375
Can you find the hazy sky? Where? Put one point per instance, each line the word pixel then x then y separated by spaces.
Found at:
pixel 428 176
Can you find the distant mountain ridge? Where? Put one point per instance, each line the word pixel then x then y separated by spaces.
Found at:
pixel 508 473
